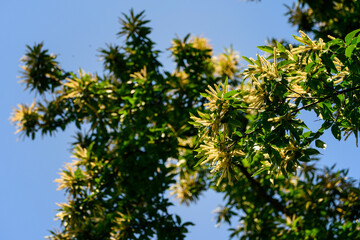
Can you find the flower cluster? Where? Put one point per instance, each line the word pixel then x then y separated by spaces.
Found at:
pixel 274 90
pixel 26 118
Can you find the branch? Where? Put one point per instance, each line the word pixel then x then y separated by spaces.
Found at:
pixel 262 191
pixel 299 109
pixel 324 98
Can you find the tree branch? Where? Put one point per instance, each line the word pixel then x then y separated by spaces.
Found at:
pixel 262 191
pixel 324 98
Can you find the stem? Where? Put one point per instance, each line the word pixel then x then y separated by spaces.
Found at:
pixel 324 98
pixel 299 109
pixel 262 191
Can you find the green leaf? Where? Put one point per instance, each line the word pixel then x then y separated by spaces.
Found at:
pixel 78 174
pixel 335 42
pixel 350 36
pixel 239 134
pixel 320 144
pixel 354 67
pixel 280 47
pixel 178 219
pixel 230 94
pixel 226 83
pixel 311 151
pixel 309 67
pixel 266 49
pixel 307 134
pixel 349 50
pixel 235 123
pixel 205 95
pixel 89 150
pixel 335 130
pixel 271 56
pixel 248 60
pixel 200 161
pixel 284 63
pixel 328 63
pixel 260 171
pixel 341 97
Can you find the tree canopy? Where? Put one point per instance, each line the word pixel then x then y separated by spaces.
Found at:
pixel 138 126
pixel 322 18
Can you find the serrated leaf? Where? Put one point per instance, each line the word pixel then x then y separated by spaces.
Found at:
pixel 284 63
pixel 328 62
pixel 350 36
pixel 334 42
pixel 349 50
pixel 248 60
pixel 230 94
pixel 335 130
pixel 307 134
pixel 266 49
pixel 89 150
pixel 299 39
pixel 309 67
pixel 311 151
pixel 280 47
pixel 260 171
pixel 271 56
pixel 320 144
pixel 239 134
pixel 341 97
pixel 226 83
pixel 200 161
pixel 205 95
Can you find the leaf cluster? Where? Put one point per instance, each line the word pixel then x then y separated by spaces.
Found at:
pixel 323 18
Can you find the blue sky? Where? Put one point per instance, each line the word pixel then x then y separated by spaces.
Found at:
pixel 76 30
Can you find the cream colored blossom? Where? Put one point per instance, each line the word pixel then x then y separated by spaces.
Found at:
pixel 183 78
pixel 22 115
pixel 215 95
pixel 201 43
pixel 202 121
pixel 338 78
pixel 226 64
pixel 142 74
pixel 62 214
pixel 183 189
pixel 288 153
pixel 256 94
pixel 67 177
pixel 219 159
pixel 308 44
pixel 77 85
pixel 264 68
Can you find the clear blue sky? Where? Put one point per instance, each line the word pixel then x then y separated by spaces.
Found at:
pixel 76 30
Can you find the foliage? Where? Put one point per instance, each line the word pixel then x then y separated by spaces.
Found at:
pixel 323 18
pixel 133 132
pixel 134 141
pixel 314 76
pixel 256 128
pixel 312 205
